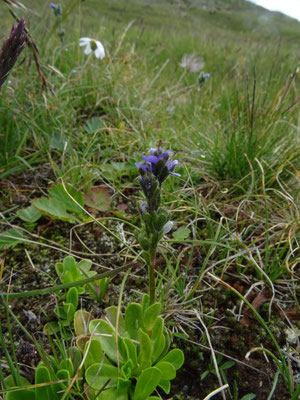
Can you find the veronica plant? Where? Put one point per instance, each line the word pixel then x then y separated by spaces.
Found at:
pixel 11 49
pixel 156 220
pixel 57 10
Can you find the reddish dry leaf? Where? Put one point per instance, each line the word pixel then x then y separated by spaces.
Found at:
pixel 122 207
pixel 98 198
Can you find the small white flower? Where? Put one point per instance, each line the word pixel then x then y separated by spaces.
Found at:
pixel 92 45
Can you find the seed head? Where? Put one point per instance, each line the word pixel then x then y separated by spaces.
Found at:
pixel 11 49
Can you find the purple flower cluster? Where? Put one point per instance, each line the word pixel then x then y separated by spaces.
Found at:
pixel 156 168
pixel 11 50
pixel 157 164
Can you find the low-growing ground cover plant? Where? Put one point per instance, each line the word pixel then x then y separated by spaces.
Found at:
pixel 128 355
pixel 222 275
pixel 53 370
pixel 68 272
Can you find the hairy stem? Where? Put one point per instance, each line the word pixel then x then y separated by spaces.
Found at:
pixel 151 269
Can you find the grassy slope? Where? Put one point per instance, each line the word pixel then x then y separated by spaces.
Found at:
pixel 248 105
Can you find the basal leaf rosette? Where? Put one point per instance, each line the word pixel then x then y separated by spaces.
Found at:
pixel 127 356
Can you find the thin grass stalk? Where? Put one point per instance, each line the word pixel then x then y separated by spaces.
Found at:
pixel 202 270
pixel 216 391
pixel 37 385
pixel 274 385
pixel 16 370
pixel 212 352
pixel 2 379
pixel 82 363
pixel 264 350
pixel 67 285
pixel 13 370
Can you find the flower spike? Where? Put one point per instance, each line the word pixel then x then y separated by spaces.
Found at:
pixel 156 220
pixel 11 49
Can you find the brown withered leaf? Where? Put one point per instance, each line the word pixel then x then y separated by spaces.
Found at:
pixel 291 314
pixel 262 297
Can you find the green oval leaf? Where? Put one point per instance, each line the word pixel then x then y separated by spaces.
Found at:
pixel 50 328
pixel 181 233
pixel 133 320
pixel 72 297
pixel 93 353
pixel 175 357
pixel 249 396
pixel 105 334
pixel 146 383
pixel 67 364
pixel 150 315
pixel 112 315
pixel 97 375
pixel 42 375
pixel 145 350
pixel 167 370
pixel 82 319
pixel 165 386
